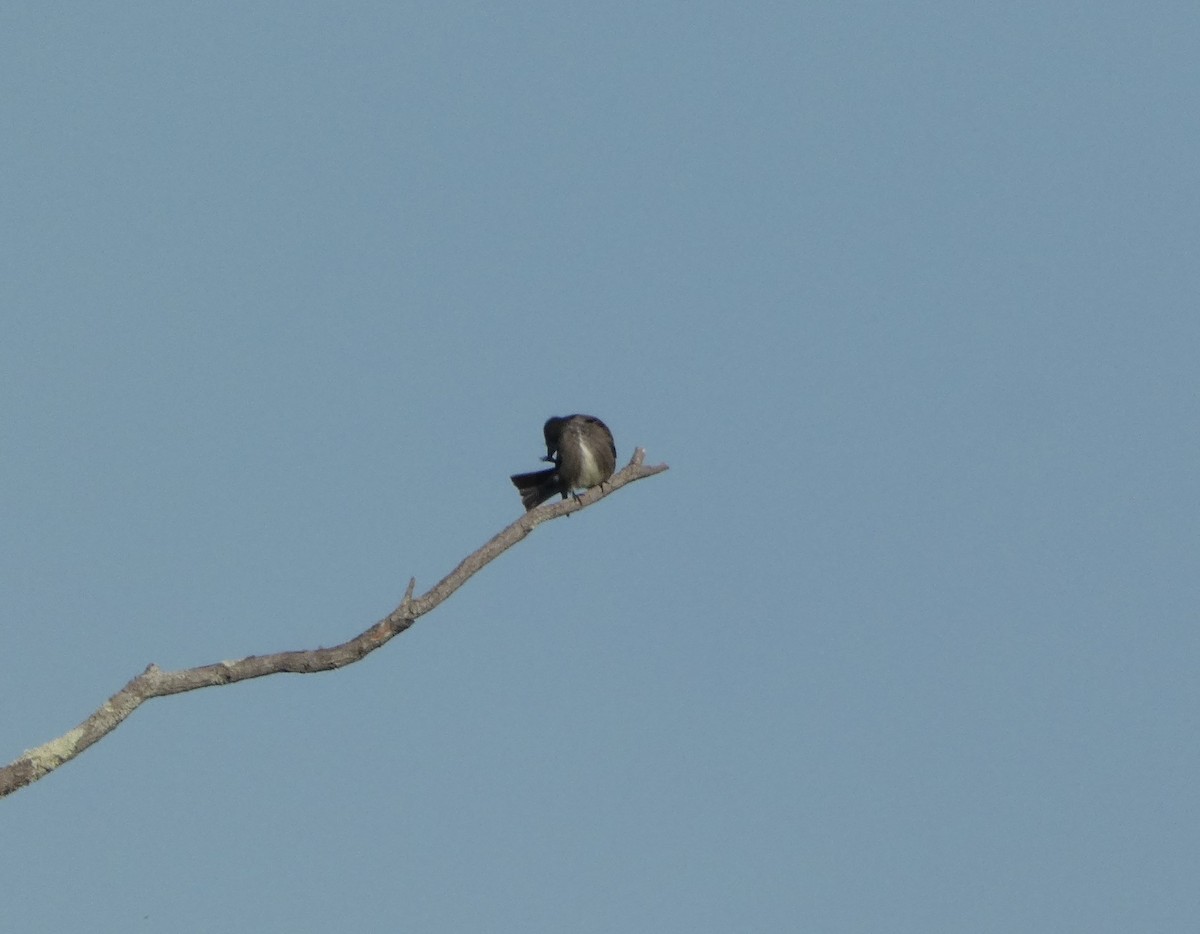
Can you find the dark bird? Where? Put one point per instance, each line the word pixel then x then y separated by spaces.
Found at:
pixel 582 451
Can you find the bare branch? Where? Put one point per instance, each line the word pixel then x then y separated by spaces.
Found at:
pixel 154 682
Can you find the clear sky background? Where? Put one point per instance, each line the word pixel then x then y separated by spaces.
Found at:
pixel 906 295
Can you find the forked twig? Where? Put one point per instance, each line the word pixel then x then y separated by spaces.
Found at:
pixel 154 682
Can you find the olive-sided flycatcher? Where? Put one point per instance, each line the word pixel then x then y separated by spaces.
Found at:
pixel 582 451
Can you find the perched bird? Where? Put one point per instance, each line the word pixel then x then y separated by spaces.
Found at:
pixel 582 451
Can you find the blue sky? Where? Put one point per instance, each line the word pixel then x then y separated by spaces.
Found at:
pixel 906 295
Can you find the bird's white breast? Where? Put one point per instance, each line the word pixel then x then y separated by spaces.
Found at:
pixel 589 473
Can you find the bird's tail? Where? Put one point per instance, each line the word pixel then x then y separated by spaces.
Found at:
pixel 537 487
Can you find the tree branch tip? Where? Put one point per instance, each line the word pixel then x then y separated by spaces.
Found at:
pixel 408 591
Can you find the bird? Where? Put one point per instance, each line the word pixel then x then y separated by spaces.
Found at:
pixel 583 453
